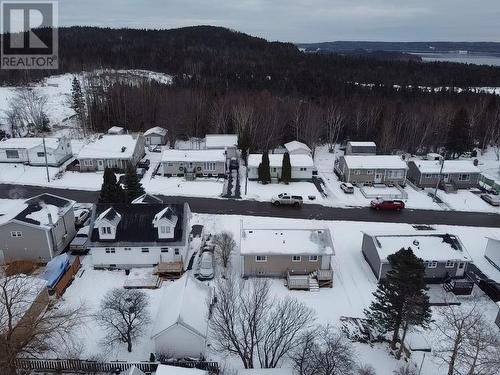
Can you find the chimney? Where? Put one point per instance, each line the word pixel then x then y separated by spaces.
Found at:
pixel 49 215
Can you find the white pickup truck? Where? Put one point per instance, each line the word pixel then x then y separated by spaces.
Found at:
pixel 287 200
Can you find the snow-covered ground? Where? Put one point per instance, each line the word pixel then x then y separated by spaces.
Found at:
pixel 352 289
pixel 260 192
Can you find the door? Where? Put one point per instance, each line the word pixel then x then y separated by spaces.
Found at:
pixel 100 165
pixel 378 177
pixel 460 269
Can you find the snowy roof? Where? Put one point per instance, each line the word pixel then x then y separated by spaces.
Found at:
pixel 175 370
pixel 183 302
pixel 36 210
pixel 193 155
pixel 132 371
pixel 109 215
pixel 276 160
pixel 374 162
pixel 147 198
pixel 362 144
pixel 167 214
pixel 221 140
pixel 10 208
pixel 116 130
pixel 156 130
pixel 286 242
pixel 110 147
pixel 296 145
pixel 266 371
pixel 428 246
pixel 28 143
pixel 449 166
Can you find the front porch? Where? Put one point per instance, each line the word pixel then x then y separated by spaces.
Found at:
pixel 312 281
pixel 169 270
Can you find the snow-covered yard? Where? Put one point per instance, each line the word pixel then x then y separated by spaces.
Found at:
pixel 352 289
pixel 178 186
pixel 260 192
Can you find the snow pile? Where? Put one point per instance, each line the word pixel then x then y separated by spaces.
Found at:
pixel 46 216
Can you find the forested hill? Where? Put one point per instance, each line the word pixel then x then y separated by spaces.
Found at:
pixel 216 57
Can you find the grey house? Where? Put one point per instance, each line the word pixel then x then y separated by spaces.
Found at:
pixel 360 148
pixel 112 151
pixel 372 169
pixel 155 136
pixel 37 229
pixel 194 163
pixel 455 174
pixel 444 254
pixel 278 252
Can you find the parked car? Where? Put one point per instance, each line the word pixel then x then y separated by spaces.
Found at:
pixel 491 288
pixel 287 200
pixel 494 200
pixel 206 271
pixel 234 164
pixel 79 243
pixel 380 204
pixel 141 172
pixel 154 148
pixel 144 164
pixel 81 215
pixel 347 187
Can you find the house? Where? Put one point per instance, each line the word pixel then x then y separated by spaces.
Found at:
pixel 444 254
pixel 36 229
pixel 460 174
pixel 116 130
pixel 147 198
pixel 180 328
pixel 31 151
pixel 297 148
pixel 492 252
pixel 126 236
pixel 112 151
pixel 226 142
pixel 372 169
pixel 194 163
pixel 303 168
pixel 156 136
pixel 360 148
pixel 266 371
pixel 277 252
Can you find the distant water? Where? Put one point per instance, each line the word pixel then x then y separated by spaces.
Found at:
pixel 461 58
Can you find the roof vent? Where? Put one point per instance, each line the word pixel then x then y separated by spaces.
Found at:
pixel 123 148
pixel 416 243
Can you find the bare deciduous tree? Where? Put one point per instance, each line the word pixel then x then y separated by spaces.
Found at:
pixel 31 108
pixel 31 324
pixel 123 314
pixel 406 369
pixel 224 246
pixel 366 370
pixel 324 351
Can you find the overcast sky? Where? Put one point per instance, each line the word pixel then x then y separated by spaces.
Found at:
pixel 302 20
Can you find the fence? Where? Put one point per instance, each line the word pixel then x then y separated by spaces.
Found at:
pixel 67 278
pixel 86 367
pixel 385 192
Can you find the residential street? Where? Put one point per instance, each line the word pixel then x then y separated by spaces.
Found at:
pixel 308 211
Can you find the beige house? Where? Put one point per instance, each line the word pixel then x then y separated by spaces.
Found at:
pixel 372 169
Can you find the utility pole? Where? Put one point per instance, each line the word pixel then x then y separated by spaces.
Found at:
pixel 439 180
pixel 421 364
pixel 45 155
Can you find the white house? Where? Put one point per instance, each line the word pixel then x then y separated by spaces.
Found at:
pixel 31 150
pixel 194 163
pixel 180 328
pixel 116 130
pixel 492 252
pixel 226 142
pixel 297 148
pixel 156 136
pixel 303 168
pixel 112 151
pixel 139 235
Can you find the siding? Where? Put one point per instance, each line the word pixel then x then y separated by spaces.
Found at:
pixel 154 139
pixel 173 168
pixel 360 150
pixel 33 245
pixel 348 175
pixel 278 265
pixel 431 274
pixel 423 181
pixel 370 254
pixel 297 174
pixel 177 341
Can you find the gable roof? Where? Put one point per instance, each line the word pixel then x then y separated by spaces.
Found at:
pixel 296 145
pixel 374 162
pixel 156 130
pixel 116 130
pixel 28 143
pixel 167 214
pixel 147 198
pixel 175 370
pixel 362 144
pixel 120 146
pixel 276 160
pixel 132 371
pixel 221 140
pixel 184 302
pixel 135 228
pixel 110 215
pixel 449 166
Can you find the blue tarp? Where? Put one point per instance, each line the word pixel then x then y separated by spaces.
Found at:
pixel 55 269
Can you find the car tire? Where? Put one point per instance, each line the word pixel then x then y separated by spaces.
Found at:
pixel 296 205
pixel 276 203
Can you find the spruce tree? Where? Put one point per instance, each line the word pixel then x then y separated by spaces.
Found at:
pixel 459 138
pixel 133 186
pixel 78 102
pixel 400 299
pixel 266 168
pixel 111 191
pixel 286 168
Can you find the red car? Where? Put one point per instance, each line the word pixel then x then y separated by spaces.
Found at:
pixel 380 204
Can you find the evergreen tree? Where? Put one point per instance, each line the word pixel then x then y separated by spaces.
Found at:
pixel 400 299
pixel 266 168
pixel 286 168
pixel 459 137
pixel 78 102
pixel 111 191
pixel 133 186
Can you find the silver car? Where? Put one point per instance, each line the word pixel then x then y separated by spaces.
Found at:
pixel 287 200
pixel 206 271
pixel 494 200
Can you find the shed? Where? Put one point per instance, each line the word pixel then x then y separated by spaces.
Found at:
pixel 116 130
pixel 180 328
pixel 156 136
pixel 360 148
pixel 492 252
pixel 298 148
pixel 221 141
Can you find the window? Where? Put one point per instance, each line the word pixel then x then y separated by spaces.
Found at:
pixel 428 175
pixel 176 251
pixel 16 234
pixel 40 154
pixel 260 258
pixel 303 169
pixel 164 250
pixel 145 250
pixel 313 258
pixel 164 229
pixel 369 171
pixel 296 258
pixel 87 163
pixel 464 177
pixel 170 164
pixel 127 248
pixel 105 230
pixel 12 154
pixel 450 264
pixel 432 264
pixel 357 172
pixel 110 250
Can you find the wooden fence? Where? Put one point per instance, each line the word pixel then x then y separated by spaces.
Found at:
pixel 67 278
pixel 92 367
